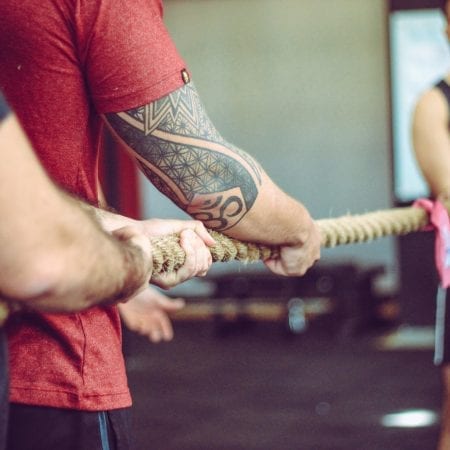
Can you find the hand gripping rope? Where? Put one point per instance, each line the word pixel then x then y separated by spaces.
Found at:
pixel 349 229
pixel 424 215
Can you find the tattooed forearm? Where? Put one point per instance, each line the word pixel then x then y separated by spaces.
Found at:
pixel 184 156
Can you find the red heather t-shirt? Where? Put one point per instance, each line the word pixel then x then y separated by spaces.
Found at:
pixel 62 62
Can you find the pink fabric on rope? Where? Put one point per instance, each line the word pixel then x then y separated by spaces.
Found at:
pixel 440 222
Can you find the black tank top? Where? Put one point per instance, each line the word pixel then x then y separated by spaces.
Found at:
pixel 3 388
pixel 445 89
pixel 3 108
pixel 3 354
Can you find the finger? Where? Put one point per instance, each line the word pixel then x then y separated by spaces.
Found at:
pixel 178 303
pixel 200 260
pixel 167 280
pixel 204 257
pixel 189 242
pixel 205 264
pixel 169 304
pixel 166 328
pixel 275 266
pixel 280 268
pixel 197 261
pixel 203 233
pixel 155 336
pixel 130 324
pixel 200 230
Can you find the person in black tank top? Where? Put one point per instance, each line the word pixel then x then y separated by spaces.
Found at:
pixel 4 110
pixel 431 141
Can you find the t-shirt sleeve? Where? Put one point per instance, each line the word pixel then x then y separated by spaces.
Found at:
pixel 4 110
pixel 127 54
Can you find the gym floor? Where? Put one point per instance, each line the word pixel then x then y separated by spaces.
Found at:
pixel 255 386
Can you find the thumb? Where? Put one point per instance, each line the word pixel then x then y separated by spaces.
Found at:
pixel 171 305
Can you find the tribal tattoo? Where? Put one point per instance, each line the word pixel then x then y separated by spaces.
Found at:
pixel 184 156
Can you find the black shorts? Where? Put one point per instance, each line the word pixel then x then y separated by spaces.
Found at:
pixel 42 428
pixel 3 389
pixel 442 327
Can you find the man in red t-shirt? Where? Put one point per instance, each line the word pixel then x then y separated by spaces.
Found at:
pixel 57 235
pixel 68 67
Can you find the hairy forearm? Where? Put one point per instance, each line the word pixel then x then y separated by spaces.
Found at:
pixel 78 282
pixel 54 255
pixel 95 267
pixel 184 156
pixel 73 267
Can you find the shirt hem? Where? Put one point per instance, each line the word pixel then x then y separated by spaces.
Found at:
pixel 68 400
pixel 111 104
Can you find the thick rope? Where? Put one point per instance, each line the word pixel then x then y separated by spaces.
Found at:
pixel 349 229
pixel 354 229
pixel 168 255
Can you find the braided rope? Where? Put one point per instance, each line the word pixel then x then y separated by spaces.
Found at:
pixel 168 255
pixel 366 227
pixel 349 229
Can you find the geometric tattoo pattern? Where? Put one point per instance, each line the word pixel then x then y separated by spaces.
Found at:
pixel 183 155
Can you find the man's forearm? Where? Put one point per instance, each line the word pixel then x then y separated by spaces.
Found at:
pixel 53 253
pixel 115 273
pixel 184 156
pixel 76 265
pixel 114 267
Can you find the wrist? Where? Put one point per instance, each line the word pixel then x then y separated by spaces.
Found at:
pixel 301 226
pixel 137 269
pixel 306 228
